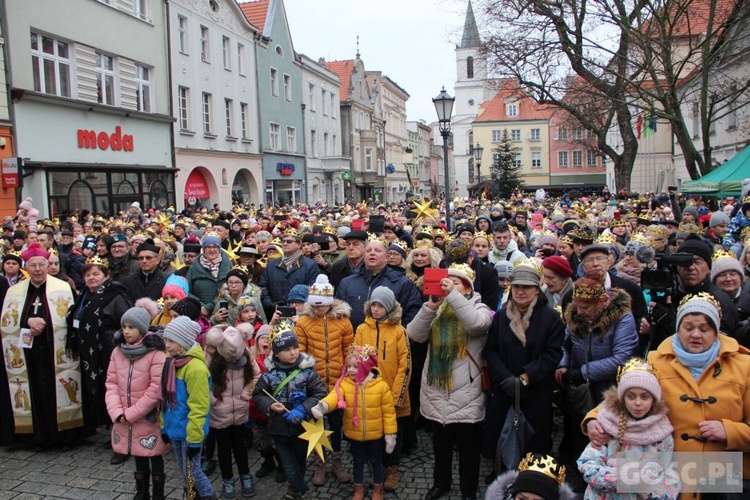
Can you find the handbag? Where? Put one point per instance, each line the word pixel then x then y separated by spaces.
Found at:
pixel 515 436
pixel 579 400
pixel 484 373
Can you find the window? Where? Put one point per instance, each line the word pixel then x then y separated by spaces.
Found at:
pixel 333 143
pixel 275 141
pixel 591 158
pixel 535 135
pixel 515 135
pixel 243 119
pixel 497 135
pixel 333 105
pixel 206 107
pixel 313 144
pixel 368 158
pixel 140 8
pixel 512 109
pixel 469 67
pixel 536 159
pixel 204 45
pixel 228 105
pixel 182 28
pixel 51 61
pixel 325 143
pixel 324 100
pixel 578 134
pixel 517 160
pixel 105 79
pixel 590 135
pixel 562 133
pixel 291 139
pixel 182 107
pixel 225 52
pixel 240 59
pixel 732 115
pixel 288 87
pixel 274 82
pixel 311 96
pixel 696 121
pixel 562 159
pixel 143 88
pixel 577 158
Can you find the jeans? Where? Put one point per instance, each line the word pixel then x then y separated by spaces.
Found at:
pixel 231 440
pixel 737 249
pixel 202 484
pixel 467 438
pixel 335 424
pixel 368 451
pixel 293 456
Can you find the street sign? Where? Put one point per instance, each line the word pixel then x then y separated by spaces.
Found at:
pixel 390 168
pixel 10 172
pixel 192 200
pixel 346 176
pixel 416 183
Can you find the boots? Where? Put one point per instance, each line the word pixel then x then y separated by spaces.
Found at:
pixel 268 465
pixel 338 469
pixel 141 483
pixel 359 492
pixel 377 492
pixel 391 478
pixel 319 474
pixel 157 492
pixel 280 474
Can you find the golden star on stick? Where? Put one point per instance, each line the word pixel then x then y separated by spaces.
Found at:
pixel 422 210
pixel 316 436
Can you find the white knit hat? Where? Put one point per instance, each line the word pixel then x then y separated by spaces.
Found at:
pixel 321 292
pixel 701 303
pixel 640 376
pixel 723 264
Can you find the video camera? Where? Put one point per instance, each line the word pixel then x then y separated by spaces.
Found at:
pixel 659 282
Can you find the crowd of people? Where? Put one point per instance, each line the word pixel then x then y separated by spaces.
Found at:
pixel 203 332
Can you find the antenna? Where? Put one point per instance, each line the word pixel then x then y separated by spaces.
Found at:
pixel 357 45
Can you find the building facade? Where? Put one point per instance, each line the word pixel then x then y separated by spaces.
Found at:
pixel 91 112
pixel 393 99
pixel 422 180
pixel 574 158
pixel 8 202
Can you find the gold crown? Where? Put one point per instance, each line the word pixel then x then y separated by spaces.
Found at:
pixel 690 228
pixel 402 244
pixel 457 250
pixel 244 225
pixel 543 464
pixel 465 270
pixel 96 260
pixel 285 325
pixel 745 232
pixel 584 233
pixel 658 231
pixel 702 296
pixel 344 221
pixel 482 234
pixel 606 238
pixel 513 229
pixel 292 232
pixel 363 351
pixel 330 230
pixel 617 222
pixel 245 300
pixel 305 225
pixel 720 254
pixel 275 242
pixel 240 267
pixel 54 251
pixel 374 237
pixel 583 291
pixel 212 233
pixel 642 239
pixel 441 233
pixel 635 364
pixel 534 264
pixel 427 231
pixel 424 243
pixel 566 239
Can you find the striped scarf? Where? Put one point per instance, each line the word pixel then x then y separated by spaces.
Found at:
pixel 447 343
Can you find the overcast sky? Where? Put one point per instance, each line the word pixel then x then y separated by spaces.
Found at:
pixel 411 41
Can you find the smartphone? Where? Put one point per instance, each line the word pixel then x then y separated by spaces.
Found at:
pixel 322 242
pixel 223 304
pixel 279 217
pixel 287 311
pixel 547 252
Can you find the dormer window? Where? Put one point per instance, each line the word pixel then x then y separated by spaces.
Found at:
pixel 512 109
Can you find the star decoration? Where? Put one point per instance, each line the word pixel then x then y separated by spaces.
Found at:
pixel 317 437
pixel 422 210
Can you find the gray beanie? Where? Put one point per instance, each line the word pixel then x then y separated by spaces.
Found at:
pixel 718 218
pixel 182 330
pixel 138 317
pixel 699 305
pixel 384 296
pixel 724 264
pixel 692 210
pixel 504 268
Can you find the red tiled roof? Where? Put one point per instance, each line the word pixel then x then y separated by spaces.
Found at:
pixel 694 20
pixel 343 70
pixel 528 109
pixel 256 13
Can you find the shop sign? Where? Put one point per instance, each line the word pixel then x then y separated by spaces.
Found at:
pixel 117 141
pixel 196 186
pixel 10 172
pixel 285 168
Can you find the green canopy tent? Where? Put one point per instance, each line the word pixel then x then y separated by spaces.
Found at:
pixel 725 180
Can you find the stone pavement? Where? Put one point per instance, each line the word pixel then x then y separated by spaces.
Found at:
pixel 85 473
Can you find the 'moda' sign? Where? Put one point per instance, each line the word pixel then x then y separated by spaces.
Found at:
pixel 117 141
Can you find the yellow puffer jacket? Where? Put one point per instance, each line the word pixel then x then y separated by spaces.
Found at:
pixel 375 410
pixel 327 339
pixel 394 356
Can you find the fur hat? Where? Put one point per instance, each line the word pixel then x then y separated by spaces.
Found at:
pixel 183 331
pixel 385 297
pixel 138 317
pixel 321 292
pixel 228 343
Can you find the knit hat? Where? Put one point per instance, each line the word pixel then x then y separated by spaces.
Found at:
pixel 321 292
pixel 504 268
pixel 189 306
pixel 539 474
pixel 26 204
pixel 525 274
pixel 695 245
pixel 211 239
pixel 548 239
pixel 192 245
pixel 367 359
pixel 640 375
pixel 238 273
pixel 138 317
pixel 342 231
pixel 135 204
pixel 701 303
pixel 178 281
pixel 284 340
pixel 246 330
pixel 464 272
pixel 262 331
pixel 718 218
pixel 558 265
pixel 229 343
pixel 692 210
pixel 298 293
pixel 558 217
pixel 385 297
pixel 183 331
pixel 723 264
pixel 397 248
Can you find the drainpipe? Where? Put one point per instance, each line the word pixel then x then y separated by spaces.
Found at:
pixel 173 156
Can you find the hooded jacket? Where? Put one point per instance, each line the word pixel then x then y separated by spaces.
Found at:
pixel 327 339
pixel 394 355
pixel 511 253
pixel 233 407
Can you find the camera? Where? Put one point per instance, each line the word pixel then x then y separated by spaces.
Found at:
pixel 661 281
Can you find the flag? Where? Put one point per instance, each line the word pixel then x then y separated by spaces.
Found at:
pixel 649 121
pixel 639 125
pixel 652 120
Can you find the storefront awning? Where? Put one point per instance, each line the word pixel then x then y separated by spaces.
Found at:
pixel 196 186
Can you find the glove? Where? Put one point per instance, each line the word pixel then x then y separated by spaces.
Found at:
pixel 297 398
pixel 296 415
pixel 165 438
pixel 193 451
pixel 319 410
pixel 508 386
pixel 390 443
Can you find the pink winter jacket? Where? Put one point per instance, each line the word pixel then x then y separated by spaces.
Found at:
pixel 133 389
pixel 235 402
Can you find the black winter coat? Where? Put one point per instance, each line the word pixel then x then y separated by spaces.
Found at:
pixel 140 285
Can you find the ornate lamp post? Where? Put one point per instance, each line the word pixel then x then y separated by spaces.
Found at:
pixel 444 107
pixel 478 150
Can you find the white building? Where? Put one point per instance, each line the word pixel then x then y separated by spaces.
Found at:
pixel 419 144
pixel 215 101
pixel 396 140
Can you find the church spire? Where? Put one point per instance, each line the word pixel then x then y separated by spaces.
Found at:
pixel 471 33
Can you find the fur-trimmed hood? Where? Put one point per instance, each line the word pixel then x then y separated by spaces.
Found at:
pixel 393 318
pixel 619 304
pixel 649 430
pixel 339 309
pixel 500 488
pixel 307 362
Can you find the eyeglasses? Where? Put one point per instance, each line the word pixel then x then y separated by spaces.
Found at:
pixel 146 257
pixel 234 283
pixel 118 247
pixel 598 258
pixel 288 242
pixel 393 254
pixel 211 247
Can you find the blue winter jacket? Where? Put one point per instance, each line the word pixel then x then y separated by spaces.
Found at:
pixel 277 281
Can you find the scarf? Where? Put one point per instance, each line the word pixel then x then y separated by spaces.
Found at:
pixel 447 343
pixel 646 431
pixel 291 260
pixel 211 265
pixel 519 322
pixel 239 364
pixel 695 362
pixel 169 379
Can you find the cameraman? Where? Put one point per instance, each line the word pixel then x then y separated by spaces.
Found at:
pixel 692 279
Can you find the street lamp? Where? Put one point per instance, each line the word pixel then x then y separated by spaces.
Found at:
pixel 444 107
pixel 478 150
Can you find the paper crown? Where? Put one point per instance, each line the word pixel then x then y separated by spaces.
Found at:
pixel 464 269
pixel 15 253
pixel 702 296
pixel 426 231
pixel 457 249
pixel 642 239
pixel 212 233
pixel 746 199
pixel 720 254
pixel 584 233
pixel 96 260
pixel 606 239
pixel 482 234
pixel 531 262
pixel 566 239
pixel 242 268
pixel 689 228
pixel 402 244
pixel 424 243
pixel 543 464
pixel 374 237
pixel 658 231
pixel 276 242
pixel 635 364
pixel 583 291
pixel 245 300
pixel 285 325
pixel 330 230
pixel 618 222
pixel 292 232
pixel 745 232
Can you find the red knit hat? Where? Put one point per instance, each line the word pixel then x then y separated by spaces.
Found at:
pixel 558 265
